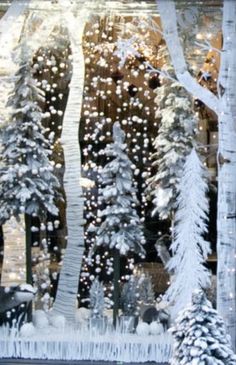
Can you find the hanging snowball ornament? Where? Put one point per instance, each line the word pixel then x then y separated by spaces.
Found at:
pixel 117 76
pixel 154 82
pixel 132 90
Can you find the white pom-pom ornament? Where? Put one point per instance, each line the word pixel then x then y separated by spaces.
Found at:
pixel 143 329
pixel 156 328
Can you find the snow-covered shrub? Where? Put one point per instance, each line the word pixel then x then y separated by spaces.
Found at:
pixel 200 336
pixel 40 319
pixel 27 330
pixel 97 302
pixel 143 329
pixel 129 297
pixel 156 328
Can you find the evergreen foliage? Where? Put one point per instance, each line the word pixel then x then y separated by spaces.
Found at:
pixel 145 289
pixel 121 227
pixel 200 336
pixel 27 183
pixel 174 141
pixel 97 301
pixel 189 248
pixel 130 297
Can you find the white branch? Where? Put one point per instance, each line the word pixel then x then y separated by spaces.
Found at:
pixel 206 46
pixel 167 12
pixel 163 73
pixel 148 23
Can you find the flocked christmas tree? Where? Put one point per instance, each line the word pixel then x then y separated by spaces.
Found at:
pixel 130 297
pixel 145 289
pixel 27 183
pixel 174 141
pixel 200 336
pixel 120 228
pixel 189 248
pixel 97 300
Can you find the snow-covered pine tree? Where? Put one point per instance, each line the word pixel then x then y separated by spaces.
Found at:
pixel 189 248
pixel 174 141
pixel 200 336
pixel 120 228
pixel 130 296
pixel 97 301
pixel 145 289
pixel 27 182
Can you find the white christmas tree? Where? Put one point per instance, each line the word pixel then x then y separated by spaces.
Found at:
pixel 174 141
pixel 121 228
pixel 145 289
pixel 200 336
pixel 27 183
pixel 189 248
pixel 97 301
pixel 130 297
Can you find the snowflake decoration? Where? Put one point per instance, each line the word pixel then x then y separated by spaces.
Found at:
pixel 205 75
pixel 125 49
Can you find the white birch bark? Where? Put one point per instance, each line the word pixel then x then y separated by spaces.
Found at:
pixel 65 302
pixel 167 12
pixel 225 107
pixel 226 220
pixel 14 263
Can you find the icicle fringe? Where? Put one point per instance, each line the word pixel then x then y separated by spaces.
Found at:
pixel 86 345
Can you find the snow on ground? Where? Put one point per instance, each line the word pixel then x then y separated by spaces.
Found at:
pixel 83 344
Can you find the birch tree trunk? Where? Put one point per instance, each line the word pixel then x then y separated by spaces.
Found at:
pixel 226 219
pixel 225 107
pixel 65 302
pixel 14 259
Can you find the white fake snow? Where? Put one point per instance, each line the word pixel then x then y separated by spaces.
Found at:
pixel 82 344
